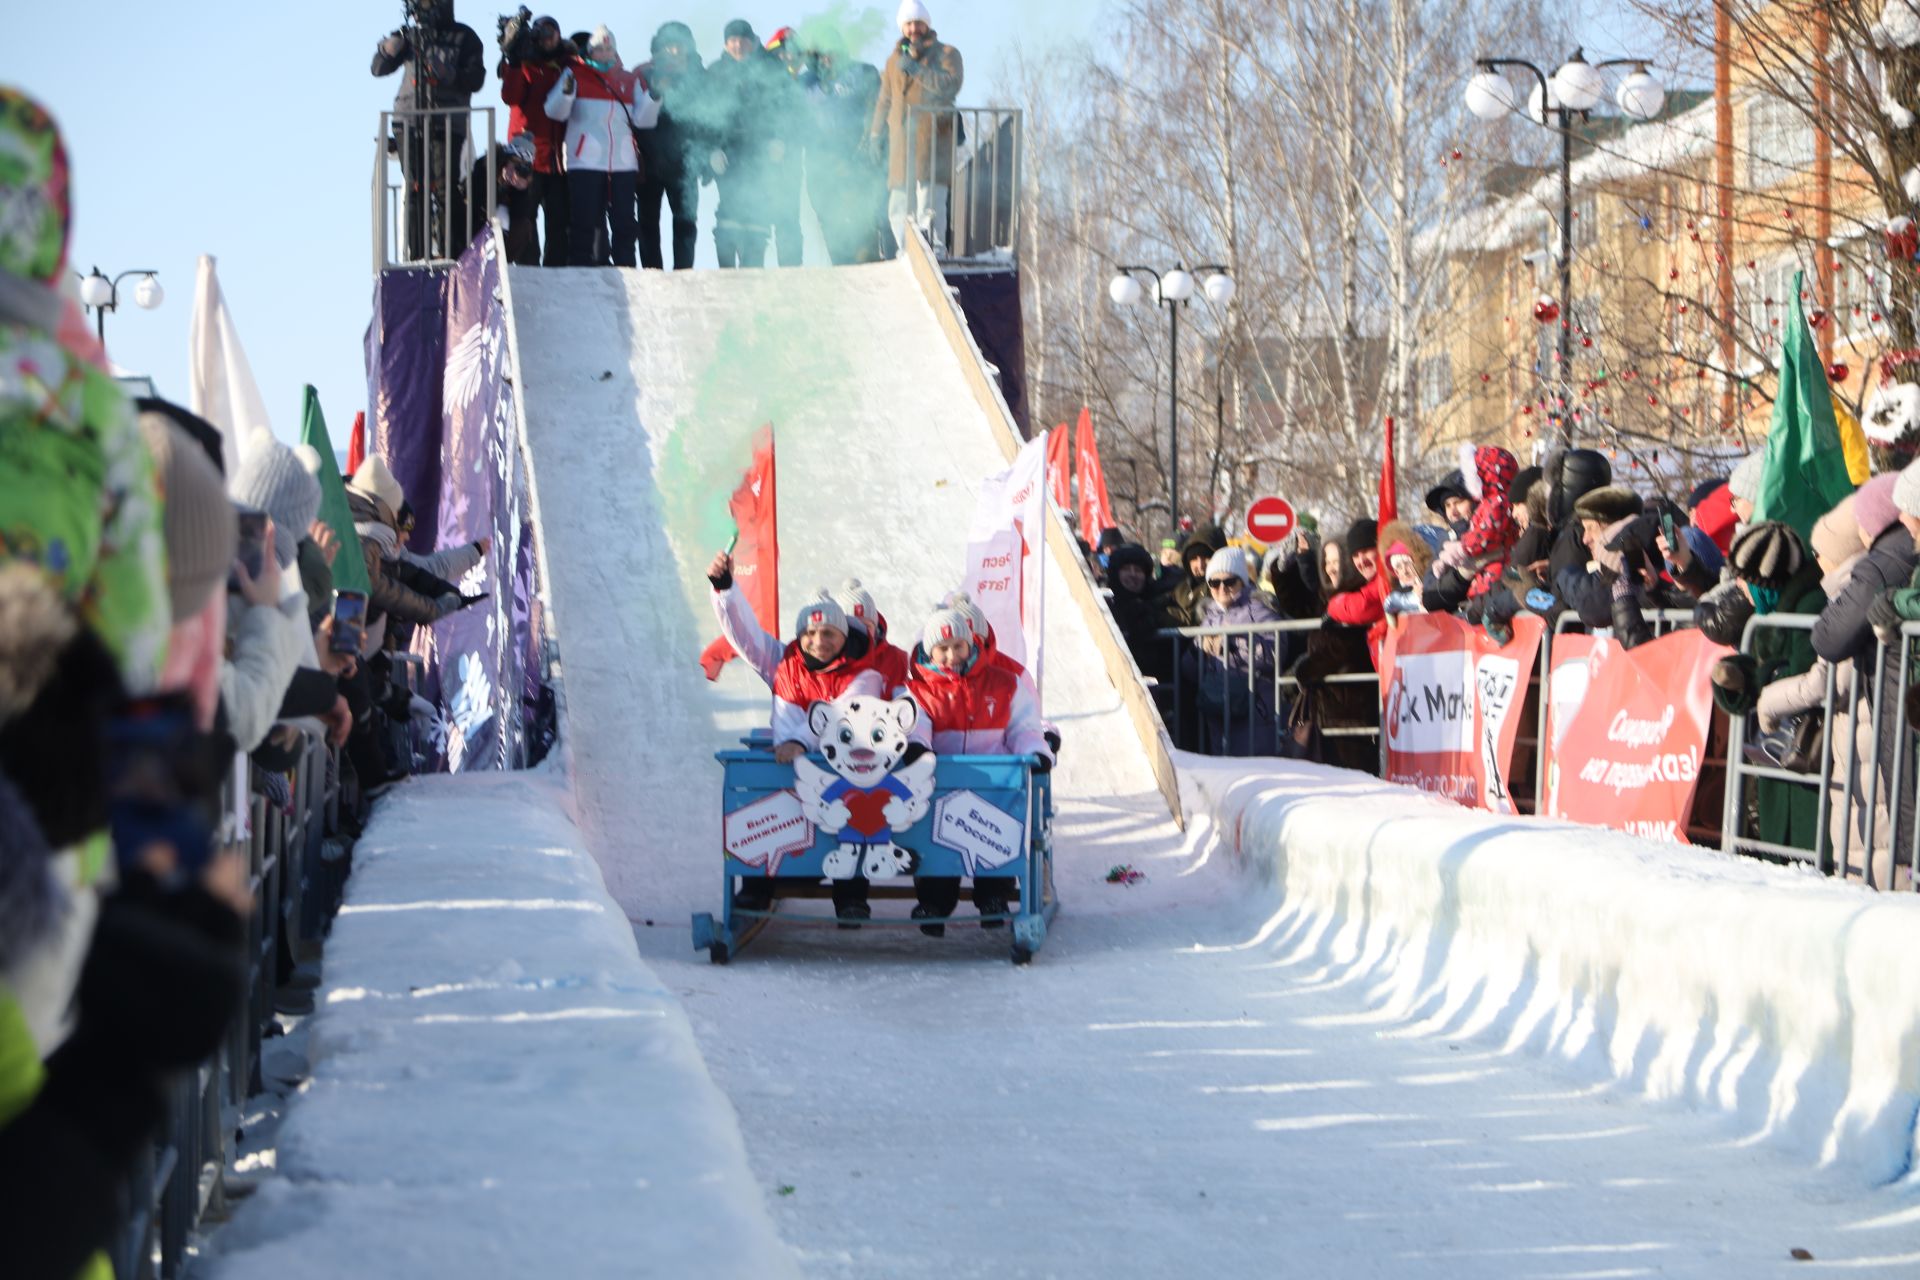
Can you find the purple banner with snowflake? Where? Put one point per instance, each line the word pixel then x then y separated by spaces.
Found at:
pixel 478 659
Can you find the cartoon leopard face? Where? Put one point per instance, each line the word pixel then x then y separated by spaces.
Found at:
pixel 863 736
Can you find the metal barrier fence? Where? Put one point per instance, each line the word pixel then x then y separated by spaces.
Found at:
pixel 979 150
pixel 299 865
pixel 424 209
pixel 1277 680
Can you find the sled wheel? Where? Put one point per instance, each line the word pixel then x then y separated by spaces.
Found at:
pixel 1022 955
pixel 717 952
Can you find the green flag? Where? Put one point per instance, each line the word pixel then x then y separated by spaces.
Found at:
pixel 1805 472
pixel 349 566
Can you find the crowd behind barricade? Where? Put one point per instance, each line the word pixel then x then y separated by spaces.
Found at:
pixel 971 698
pixel 1566 541
pixel 596 146
pixel 175 661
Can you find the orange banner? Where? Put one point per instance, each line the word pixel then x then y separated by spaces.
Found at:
pixel 1629 731
pixel 1450 706
pixel 756 554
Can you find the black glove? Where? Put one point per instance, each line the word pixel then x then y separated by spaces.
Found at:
pixel 1041 764
pixel 1637 536
pixel 1053 739
pixel 1884 618
pixel 722 581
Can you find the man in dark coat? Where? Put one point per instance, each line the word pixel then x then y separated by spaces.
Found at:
pixel 513 180
pixel 445 66
pixel 753 113
pixel 1135 611
pixel 675 151
pixel 847 185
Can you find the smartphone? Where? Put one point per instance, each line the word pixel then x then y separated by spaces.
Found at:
pixel 252 549
pixel 349 621
pixel 162 785
pixel 1666 527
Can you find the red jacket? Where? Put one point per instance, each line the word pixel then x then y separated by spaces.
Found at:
pixel 1365 606
pixel 524 87
pixel 983 710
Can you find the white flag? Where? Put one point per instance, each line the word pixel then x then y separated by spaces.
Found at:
pixel 1006 555
pixel 220 385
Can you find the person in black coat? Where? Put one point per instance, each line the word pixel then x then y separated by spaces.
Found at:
pixel 848 187
pixel 675 152
pixel 1135 611
pixel 512 191
pixel 445 66
pixel 753 105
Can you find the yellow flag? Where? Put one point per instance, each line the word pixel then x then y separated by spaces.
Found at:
pixel 1853 441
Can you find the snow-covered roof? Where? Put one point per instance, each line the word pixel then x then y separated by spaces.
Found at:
pixel 1644 149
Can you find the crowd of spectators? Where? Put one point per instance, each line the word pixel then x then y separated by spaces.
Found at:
pixel 172 647
pixel 595 147
pixel 1563 537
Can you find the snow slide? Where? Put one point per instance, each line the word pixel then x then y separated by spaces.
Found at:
pixel 1789 1001
pixel 639 395
pixel 500 1086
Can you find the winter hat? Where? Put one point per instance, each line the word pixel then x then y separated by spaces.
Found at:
pixel 911 11
pixel 1608 504
pixel 1470 471
pixel 945 625
pixel 1768 554
pixel 1873 506
pixel 197 518
pixel 35 625
pixel 1836 535
pixel 601 46
pixel 520 147
pixel 675 33
pixel 375 481
pixel 1745 480
pixel 1452 485
pixel 1906 490
pixel 1362 535
pixel 976 616
pixel 1109 539
pixel 197 428
pixel 283 483
pixel 1229 562
pixel 857 604
pixel 821 611
pixel 740 27
pixel 35 204
pixel 1522 485
pixel 1702 491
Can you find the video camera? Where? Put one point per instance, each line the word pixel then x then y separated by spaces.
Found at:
pixel 516 35
pixel 426 13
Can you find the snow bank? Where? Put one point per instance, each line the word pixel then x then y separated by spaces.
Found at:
pixel 501 1087
pixel 1789 1000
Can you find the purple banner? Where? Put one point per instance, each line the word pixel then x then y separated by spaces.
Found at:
pixel 478 659
pixel 406 358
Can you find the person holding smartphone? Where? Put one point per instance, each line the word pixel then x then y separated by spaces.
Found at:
pixel 922 72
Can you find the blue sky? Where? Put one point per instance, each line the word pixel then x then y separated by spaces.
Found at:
pixel 246 130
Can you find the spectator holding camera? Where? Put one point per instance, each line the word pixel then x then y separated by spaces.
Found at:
pixel 921 73
pixel 513 200
pixel 444 66
pixel 533 54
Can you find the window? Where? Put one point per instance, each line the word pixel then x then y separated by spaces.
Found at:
pixel 1436 382
pixel 1763 300
pixel 1779 141
pixel 1586 222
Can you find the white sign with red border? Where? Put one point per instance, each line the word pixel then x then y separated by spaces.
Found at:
pixel 762 833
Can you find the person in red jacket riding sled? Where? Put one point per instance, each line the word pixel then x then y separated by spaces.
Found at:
pixel 825 659
pixel 889 659
pixel 969 705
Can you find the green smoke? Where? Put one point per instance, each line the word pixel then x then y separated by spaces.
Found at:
pixel 844 31
pixel 769 368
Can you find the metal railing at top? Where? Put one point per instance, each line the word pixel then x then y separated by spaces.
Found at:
pixel 424 211
pixel 979 150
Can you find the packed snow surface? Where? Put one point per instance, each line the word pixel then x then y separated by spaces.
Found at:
pixel 1310 1043
pixel 500 1087
pixel 640 393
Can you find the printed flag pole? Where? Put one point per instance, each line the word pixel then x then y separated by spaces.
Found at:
pixel 755 547
pixel 1389 495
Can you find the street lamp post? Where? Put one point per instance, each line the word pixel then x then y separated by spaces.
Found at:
pixel 1173 290
pixel 102 295
pixel 1574 90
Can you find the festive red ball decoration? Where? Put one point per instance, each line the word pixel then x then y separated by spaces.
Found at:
pixel 1546 310
pixel 1586 342
pixel 1902 238
pixel 1838 371
pixel 1817 318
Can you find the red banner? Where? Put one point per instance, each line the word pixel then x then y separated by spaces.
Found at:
pixel 1096 509
pixel 1060 467
pixel 357 442
pixel 1389 491
pixel 1628 740
pixel 1450 706
pixel 756 554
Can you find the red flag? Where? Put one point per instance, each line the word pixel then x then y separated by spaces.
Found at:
pixel 1060 468
pixel 756 553
pixel 1389 499
pixel 357 443
pixel 1096 509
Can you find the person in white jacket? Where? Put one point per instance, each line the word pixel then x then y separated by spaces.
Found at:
pixel 603 104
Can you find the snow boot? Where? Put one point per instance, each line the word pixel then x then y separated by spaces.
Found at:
pixel 753 895
pixel 990 904
pixel 935 930
pixel 852 914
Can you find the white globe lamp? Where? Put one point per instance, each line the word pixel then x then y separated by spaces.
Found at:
pixel 1490 95
pixel 1641 95
pixel 96 291
pixel 1124 290
pixel 1219 288
pixel 1578 84
pixel 148 294
pixel 1176 286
